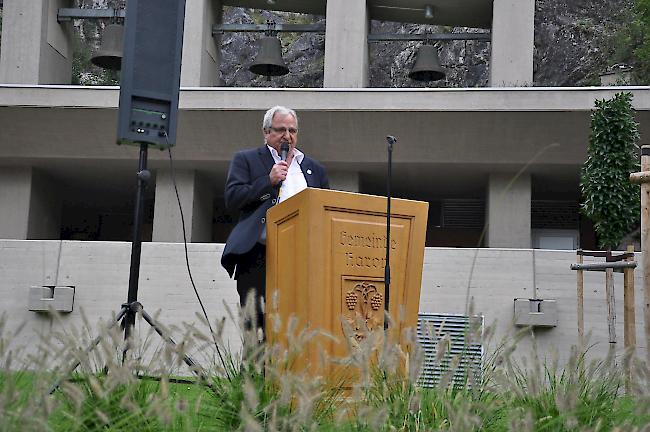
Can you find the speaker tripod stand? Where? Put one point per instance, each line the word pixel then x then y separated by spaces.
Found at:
pixel 129 310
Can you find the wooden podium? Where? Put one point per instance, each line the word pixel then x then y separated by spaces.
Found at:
pixel 325 258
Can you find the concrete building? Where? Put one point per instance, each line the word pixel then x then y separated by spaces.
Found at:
pixel 498 165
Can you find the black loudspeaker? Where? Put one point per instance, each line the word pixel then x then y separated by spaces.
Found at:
pixel 151 72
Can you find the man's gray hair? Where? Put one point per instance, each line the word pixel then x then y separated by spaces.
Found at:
pixel 268 116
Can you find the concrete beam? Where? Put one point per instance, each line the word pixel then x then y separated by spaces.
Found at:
pixel 509 100
pixel 346 44
pixel 36 49
pixel 197 202
pixel 508 211
pixel 457 13
pixel 513 32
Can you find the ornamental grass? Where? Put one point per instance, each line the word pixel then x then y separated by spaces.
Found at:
pixel 151 389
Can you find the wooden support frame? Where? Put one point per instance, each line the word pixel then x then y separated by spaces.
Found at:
pixel 581 301
pixel 643 178
pixel 623 262
pixel 629 315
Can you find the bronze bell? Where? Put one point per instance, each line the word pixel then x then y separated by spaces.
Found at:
pixel 109 55
pixel 269 58
pixel 427 65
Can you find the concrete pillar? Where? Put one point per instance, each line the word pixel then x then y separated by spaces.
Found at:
pixel 201 52
pixel 197 201
pixel 36 49
pixel 513 32
pixel 344 181
pixel 508 211
pixel 30 205
pixel 346 44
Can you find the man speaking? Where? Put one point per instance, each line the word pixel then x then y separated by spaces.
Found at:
pixel 258 179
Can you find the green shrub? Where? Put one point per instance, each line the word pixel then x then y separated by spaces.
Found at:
pixel 609 199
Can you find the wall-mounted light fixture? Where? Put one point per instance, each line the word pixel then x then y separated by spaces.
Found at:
pixel 428 12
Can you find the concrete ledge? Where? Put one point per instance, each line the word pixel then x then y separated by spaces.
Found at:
pixel 490 99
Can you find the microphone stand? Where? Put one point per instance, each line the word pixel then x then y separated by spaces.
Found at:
pixel 127 314
pixel 391 140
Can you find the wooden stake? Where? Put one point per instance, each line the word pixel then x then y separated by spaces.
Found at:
pixel 581 306
pixel 645 231
pixel 611 305
pixel 629 318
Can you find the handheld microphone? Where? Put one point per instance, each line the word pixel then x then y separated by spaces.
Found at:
pixel 284 150
pixel 391 139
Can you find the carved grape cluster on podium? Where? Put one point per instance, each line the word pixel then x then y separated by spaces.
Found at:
pixel 376 301
pixel 351 300
pixel 364 301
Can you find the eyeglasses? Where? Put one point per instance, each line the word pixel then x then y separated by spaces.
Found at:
pixel 282 130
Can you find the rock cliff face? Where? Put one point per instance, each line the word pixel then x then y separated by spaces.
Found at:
pixel 574 43
pixel 575 40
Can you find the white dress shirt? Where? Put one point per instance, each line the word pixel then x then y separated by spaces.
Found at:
pixel 295 181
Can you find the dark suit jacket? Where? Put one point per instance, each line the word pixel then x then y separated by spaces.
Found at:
pixel 249 190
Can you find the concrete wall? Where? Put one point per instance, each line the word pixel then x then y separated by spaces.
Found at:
pixel 201 52
pixel 346 44
pixel 453 279
pixel 348 181
pixel 36 49
pixel 513 33
pixel 489 280
pixel 100 274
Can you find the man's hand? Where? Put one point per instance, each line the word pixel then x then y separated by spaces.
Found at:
pixel 279 172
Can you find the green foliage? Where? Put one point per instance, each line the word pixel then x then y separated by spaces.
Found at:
pixel 394 403
pixel 642 52
pixel 259 393
pixel 83 71
pixel 86 38
pixel 632 42
pixel 95 403
pixel 609 199
pixel 560 400
pixel 585 25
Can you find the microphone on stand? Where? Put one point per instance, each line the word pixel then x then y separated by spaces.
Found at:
pixel 390 140
pixel 284 150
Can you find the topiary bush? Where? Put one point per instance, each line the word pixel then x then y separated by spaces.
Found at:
pixel 609 199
